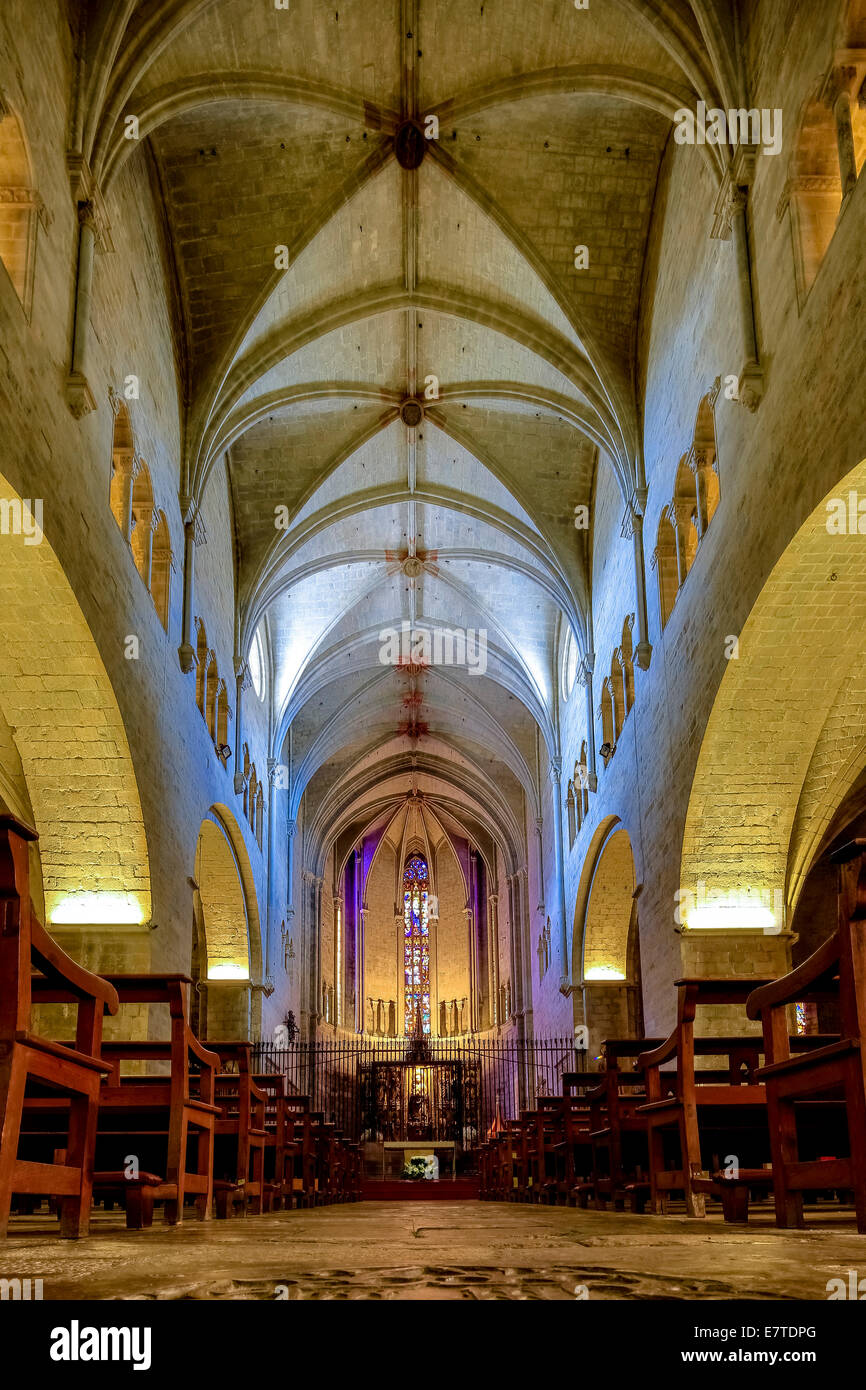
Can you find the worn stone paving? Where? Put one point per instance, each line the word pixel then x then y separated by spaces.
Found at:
pixel 461 1250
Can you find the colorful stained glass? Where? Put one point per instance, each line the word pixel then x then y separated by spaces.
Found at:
pixel 800 1010
pixel 416 945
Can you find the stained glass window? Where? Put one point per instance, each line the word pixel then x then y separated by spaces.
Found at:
pixel 416 945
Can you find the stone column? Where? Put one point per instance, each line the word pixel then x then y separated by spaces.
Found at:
pixel 272 787
pixel 838 96
pixel 584 675
pixel 339 958
pixel 473 964
pixel 241 682
pixel 682 515
pixel 632 525
pixel 186 651
pixel 729 224
pixel 360 963
pixel 79 396
pixel 493 948
pixel 539 843
pixel 751 384
pixel 291 830
pixel 555 773
pixel 700 461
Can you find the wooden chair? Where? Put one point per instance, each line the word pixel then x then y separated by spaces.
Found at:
pixel 831 1074
pixel 28 1061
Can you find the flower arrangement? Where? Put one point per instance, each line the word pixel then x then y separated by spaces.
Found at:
pixel 415 1168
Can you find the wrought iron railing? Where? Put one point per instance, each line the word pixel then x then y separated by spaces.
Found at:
pixel 404 1088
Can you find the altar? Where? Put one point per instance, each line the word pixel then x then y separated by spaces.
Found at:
pixel 395 1153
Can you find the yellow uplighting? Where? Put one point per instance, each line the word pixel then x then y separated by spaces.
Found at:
pixel 87 909
pixel 732 917
pixel 228 972
pixel 603 972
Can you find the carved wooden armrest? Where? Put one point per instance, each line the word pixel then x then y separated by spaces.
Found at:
pixel 791 987
pixel 57 965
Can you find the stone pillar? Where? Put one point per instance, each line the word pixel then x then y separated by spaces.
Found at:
pixel 122 462
pixel 79 396
pixel 339 958
pixel 186 651
pixel 360 963
pixel 493 949
pixel 840 98
pixel 473 964
pixel 701 463
pixel 729 224
pixel 584 675
pixel 399 928
pixel 751 383
pixel 555 773
pixel 682 515
pixel 272 788
pixel 291 830
pixel 539 844
pixel 633 526
pixel 241 682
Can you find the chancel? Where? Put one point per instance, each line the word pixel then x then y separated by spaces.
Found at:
pixel 432 568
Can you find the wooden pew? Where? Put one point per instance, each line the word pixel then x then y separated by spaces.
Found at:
pixel 300 1119
pixel 711 1112
pixel 831 1074
pixel 241 1137
pixel 154 1115
pixel 30 1062
pixel 509 1161
pixel 620 1158
pixel 573 1152
pixel 543 1130
pixel 160 1113
pixel 727 1096
pixel 283 1148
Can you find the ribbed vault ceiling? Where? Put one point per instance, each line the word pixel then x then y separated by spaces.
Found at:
pixel 277 128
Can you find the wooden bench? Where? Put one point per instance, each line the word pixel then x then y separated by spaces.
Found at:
pixel 711 1113
pixel 241 1137
pixel 618 1135
pixel 283 1147
pixel 832 1072
pixel 152 1116
pixel 29 1062
pixel 573 1153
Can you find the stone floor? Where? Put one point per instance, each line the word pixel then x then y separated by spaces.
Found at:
pixel 448 1250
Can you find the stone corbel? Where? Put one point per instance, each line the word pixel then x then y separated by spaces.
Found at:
pixel 751 385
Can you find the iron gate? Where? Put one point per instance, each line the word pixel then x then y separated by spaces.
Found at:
pixel 453 1088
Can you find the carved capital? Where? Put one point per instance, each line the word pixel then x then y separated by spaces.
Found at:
pixel 88 199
